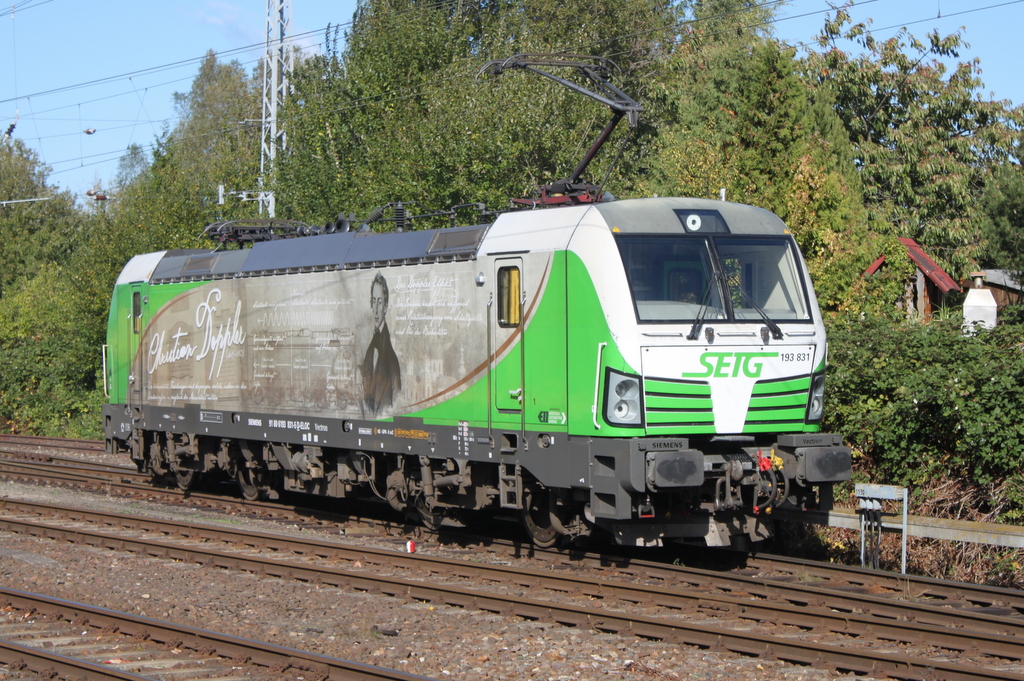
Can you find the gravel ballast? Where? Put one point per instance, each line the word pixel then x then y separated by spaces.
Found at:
pixel 436 641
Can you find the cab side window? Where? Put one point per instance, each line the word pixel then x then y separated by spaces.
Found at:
pixel 510 302
pixel 136 312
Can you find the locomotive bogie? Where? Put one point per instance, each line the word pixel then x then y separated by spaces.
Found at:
pixel 653 368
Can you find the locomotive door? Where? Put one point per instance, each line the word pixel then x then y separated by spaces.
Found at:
pixel 507 345
pixel 135 376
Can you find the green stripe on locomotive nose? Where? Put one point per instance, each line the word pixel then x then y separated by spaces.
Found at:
pixel 679 402
pixel 780 426
pixel 793 400
pixel 796 414
pixel 793 385
pixel 655 386
pixel 664 417
pixel 678 428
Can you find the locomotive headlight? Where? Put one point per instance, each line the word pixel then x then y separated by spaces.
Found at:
pixel 627 389
pixel 816 402
pixel 622 400
pixel 626 411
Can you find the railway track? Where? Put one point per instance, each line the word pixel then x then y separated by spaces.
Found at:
pixel 127 483
pixel 925 642
pixel 40 636
pixel 823 615
pixel 764 577
pixel 30 442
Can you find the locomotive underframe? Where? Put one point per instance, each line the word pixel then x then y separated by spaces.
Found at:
pixel 643 491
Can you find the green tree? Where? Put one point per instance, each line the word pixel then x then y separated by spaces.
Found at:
pixel 50 353
pixel 739 118
pixel 45 377
pixel 168 202
pixel 130 166
pixel 1003 224
pixel 399 114
pixel 923 138
pixel 37 232
pixel 924 402
pixel 54 317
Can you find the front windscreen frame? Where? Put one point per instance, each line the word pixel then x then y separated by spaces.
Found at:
pixel 678 278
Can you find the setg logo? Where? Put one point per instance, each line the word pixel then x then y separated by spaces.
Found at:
pixel 731 364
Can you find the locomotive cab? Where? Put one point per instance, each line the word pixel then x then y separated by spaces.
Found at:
pixel 718 378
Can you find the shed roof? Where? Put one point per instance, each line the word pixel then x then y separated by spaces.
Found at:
pixel 935 274
pixel 1002 278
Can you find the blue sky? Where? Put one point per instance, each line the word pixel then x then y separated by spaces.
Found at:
pixel 67 66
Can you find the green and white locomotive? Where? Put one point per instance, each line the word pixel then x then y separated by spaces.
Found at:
pixel 650 367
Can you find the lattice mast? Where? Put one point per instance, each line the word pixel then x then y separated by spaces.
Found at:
pixel 277 65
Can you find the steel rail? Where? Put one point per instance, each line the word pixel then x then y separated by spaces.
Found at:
pixel 72 470
pixel 806 592
pixel 261 653
pixel 858 614
pixel 981 595
pixel 991 533
pixel 61 442
pixel 115 481
pixel 800 593
pixel 861 661
pixel 904 603
pixel 45 663
pixel 92 465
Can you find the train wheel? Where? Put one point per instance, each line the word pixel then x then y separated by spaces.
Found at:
pixel 432 520
pixel 250 482
pixel 186 478
pixel 536 516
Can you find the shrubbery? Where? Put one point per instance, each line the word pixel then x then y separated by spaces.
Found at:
pixel 50 383
pixel 922 404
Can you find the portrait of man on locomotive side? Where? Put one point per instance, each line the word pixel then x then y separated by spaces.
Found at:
pixel 382 378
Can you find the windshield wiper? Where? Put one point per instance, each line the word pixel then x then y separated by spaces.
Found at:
pixel 699 320
pixel 772 326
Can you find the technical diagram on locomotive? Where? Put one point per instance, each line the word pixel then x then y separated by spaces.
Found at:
pixel 649 368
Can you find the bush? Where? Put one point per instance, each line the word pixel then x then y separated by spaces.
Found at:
pixel 50 354
pixel 922 403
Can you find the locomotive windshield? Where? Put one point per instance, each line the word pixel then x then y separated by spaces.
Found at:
pixel 674 277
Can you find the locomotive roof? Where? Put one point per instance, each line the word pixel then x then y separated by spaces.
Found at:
pixel 348 250
pixel 665 215
pixel 519 230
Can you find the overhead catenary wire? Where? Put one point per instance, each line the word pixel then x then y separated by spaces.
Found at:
pixel 396 95
pixel 22 6
pixel 160 68
pixel 181 63
pixel 421 89
pixel 260 46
